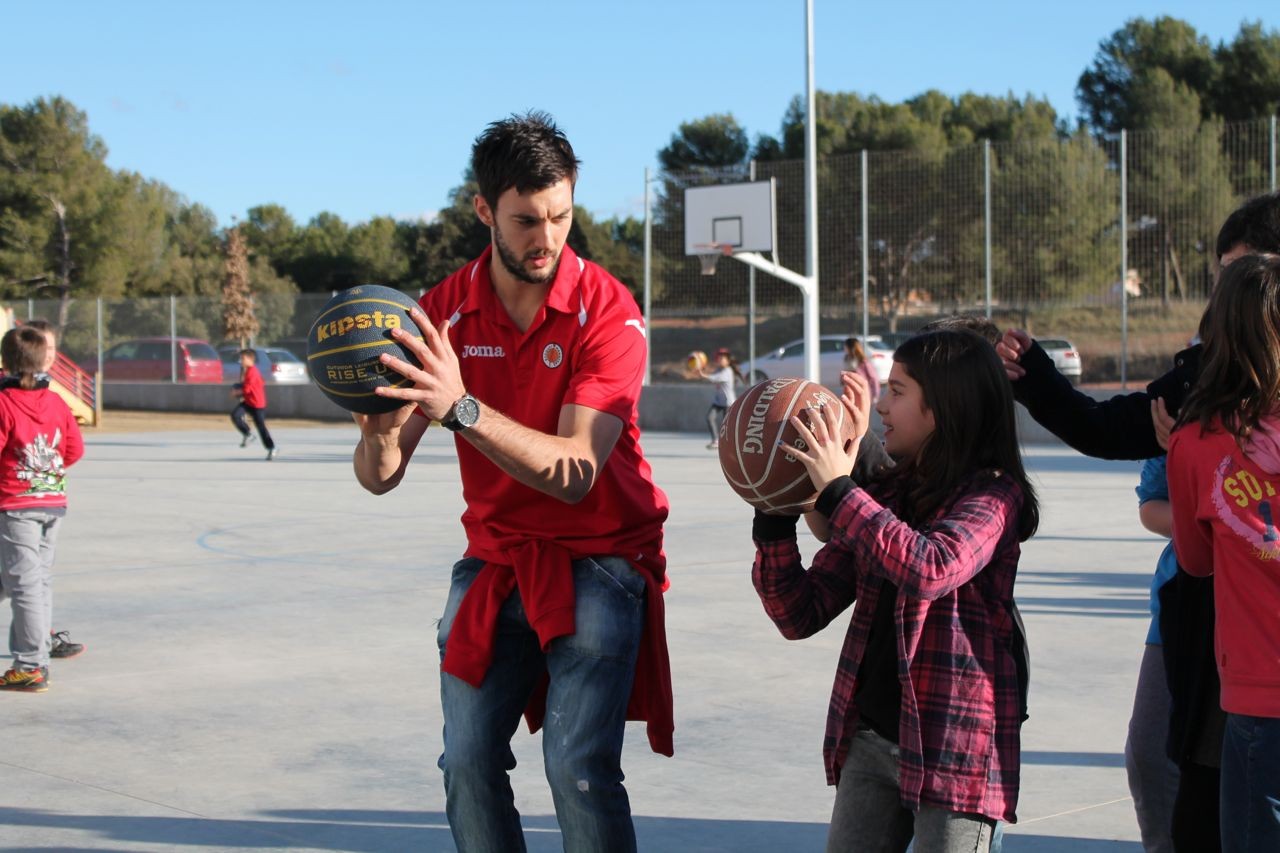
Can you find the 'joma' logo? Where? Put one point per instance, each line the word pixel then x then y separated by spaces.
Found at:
pixel 482 351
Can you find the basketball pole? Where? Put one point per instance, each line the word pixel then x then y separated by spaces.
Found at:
pixel 811 205
pixel 808 283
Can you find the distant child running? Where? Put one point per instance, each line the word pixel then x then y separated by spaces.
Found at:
pixel 253 400
pixel 922 736
pixel 39 440
pixel 1224 480
pixel 723 375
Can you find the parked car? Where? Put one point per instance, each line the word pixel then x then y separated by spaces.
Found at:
pixel 276 364
pixel 788 359
pixel 1065 357
pixel 154 358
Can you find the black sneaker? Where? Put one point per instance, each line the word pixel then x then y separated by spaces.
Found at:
pixel 247 440
pixel 63 647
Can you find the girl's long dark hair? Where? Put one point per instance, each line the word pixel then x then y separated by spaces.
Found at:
pixel 1239 382
pixel 975 429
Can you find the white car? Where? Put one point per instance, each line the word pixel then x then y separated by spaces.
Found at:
pixel 276 365
pixel 788 359
pixel 1065 357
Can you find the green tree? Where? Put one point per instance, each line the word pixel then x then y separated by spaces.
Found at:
pixel 53 184
pixel 715 142
pixel 271 234
pixel 617 245
pixel 378 252
pixel 1109 91
pixel 1180 185
pixel 1248 79
pixel 453 238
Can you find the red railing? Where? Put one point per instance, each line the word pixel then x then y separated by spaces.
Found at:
pixel 78 383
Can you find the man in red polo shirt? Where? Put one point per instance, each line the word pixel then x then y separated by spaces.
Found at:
pixel 534 357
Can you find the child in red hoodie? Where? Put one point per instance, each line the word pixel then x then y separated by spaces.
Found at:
pixel 39 440
pixel 253 401
pixel 1224 479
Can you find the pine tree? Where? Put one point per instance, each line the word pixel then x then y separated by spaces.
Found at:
pixel 239 323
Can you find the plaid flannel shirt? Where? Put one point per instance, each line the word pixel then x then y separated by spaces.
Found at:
pixel 960 718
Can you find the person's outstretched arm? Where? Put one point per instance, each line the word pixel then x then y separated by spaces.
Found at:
pixel 1116 428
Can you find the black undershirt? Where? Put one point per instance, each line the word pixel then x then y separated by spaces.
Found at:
pixel 878 696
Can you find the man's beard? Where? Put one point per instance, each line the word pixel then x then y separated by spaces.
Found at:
pixel 513 265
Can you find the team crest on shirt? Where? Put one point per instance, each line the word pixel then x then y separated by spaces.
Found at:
pixel 552 355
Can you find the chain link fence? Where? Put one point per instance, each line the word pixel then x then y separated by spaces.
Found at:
pixel 1026 232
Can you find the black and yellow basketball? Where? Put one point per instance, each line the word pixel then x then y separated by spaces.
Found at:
pixel 344 343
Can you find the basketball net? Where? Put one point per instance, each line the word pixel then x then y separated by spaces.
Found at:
pixel 709 253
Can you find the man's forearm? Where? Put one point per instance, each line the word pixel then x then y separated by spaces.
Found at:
pixel 378 463
pixel 563 467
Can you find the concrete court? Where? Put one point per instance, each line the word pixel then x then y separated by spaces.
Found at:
pixel 262 668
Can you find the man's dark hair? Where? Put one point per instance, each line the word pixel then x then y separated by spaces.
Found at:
pixel 527 152
pixel 1256 223
pixel 975 323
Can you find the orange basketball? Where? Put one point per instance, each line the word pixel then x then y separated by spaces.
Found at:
pixel 756 435
pixel 696 360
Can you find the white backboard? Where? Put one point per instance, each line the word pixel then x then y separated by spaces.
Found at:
pixel 738 215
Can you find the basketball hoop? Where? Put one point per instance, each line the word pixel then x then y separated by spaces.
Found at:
pixel 709 253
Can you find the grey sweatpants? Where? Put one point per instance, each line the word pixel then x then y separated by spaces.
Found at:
pixel 1153 778
pixel 27 539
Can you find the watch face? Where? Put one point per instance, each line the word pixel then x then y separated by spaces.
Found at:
pixel 467 411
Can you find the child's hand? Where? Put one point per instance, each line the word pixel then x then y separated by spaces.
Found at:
pixel 826 458
pixel 857 401
pixel 1011 347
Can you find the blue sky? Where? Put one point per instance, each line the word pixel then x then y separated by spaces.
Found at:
pixel 370 108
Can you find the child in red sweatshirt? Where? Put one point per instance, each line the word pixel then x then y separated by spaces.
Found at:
pixel 39 440
pixel 253 401
pixel 1224 487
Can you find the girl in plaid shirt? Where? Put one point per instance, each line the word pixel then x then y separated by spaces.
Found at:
pixel 922 734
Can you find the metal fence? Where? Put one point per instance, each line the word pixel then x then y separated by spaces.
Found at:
pixel 1028 233
pixel 92 326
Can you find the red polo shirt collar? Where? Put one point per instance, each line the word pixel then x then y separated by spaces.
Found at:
pixel 480 293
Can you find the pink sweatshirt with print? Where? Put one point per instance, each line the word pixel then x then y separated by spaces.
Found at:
pixel 1226 505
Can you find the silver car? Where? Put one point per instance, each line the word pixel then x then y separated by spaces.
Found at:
pixel 276 365
pixel 1065 357
pixel 788 359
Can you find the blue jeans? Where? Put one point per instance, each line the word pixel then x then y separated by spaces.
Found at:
pixel 1250 792
pixel 591 672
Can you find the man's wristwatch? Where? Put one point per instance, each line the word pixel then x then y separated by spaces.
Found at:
pixel 462 414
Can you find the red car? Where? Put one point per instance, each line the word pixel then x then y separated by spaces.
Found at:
pixel 154 359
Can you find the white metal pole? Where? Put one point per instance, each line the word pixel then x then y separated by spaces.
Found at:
pixel 1273 153
pixel 173 339
pixel 866 252
pixel 1124 260
pixel 751 307
pixel 811 205
pixel 986 202
pixel 99 336
pixel 648 283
